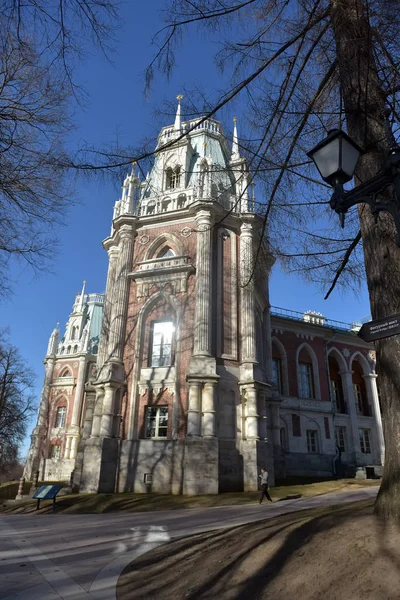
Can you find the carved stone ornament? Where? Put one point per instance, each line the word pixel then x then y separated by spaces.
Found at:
pixel 186 232
pixel 346 352
pixel 75 364
pixel 144 239
pixel 57 367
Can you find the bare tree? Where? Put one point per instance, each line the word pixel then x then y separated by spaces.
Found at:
pixel 16 402
pixel 304 67
pixel 40 42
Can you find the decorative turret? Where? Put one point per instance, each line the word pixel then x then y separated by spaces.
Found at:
pixel 53 342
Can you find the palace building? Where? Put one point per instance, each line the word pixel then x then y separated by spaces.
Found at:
pixel 182 377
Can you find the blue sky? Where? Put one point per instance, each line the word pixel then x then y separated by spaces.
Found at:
pixel 117 106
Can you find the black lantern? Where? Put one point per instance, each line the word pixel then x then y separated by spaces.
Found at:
pixel 336 157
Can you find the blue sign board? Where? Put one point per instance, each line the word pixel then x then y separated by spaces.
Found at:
pixel 47 492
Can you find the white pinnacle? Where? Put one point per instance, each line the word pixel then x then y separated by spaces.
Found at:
pixel 177 124
pixel 235 145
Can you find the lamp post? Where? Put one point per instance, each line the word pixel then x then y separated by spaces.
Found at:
pixel 336 158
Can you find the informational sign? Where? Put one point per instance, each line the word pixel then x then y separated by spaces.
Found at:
pixel 381 328
pixel 47 492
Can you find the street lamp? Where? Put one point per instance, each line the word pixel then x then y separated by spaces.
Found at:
pixel 336 158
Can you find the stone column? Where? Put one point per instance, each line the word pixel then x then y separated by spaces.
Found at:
pixel 105 329
pixel 275 425
pixel 209 428
pixel 87 425
pixel 98 409
pixel 67 451
pixel 348 392
pixel 251 414
pixel 74 446
pixel 248 333
pixel 372 391
pixel 202 319
pixel 80 385
pixel 194 414
pixel 107 417
pixel 262 410
pixel 120 294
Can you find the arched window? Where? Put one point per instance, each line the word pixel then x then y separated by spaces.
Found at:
pixel 173 178
pixel 360 392
pixel 203 180
pixel 305 375
pixel 336 386
pixel 62 350
pixel 75 349
pixel 61 416
pixel 69 350
pixel 74 331
pixel 166 252
pixel 66 373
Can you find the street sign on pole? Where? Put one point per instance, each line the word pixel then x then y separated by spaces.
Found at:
pixel 381 328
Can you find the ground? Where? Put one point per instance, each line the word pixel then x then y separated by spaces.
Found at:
pixel 330 553
pixel 104 503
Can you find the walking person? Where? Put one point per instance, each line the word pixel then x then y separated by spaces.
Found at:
pixel 264 485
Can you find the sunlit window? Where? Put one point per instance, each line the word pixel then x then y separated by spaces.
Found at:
pixel 56 451
pixel 161 343
pixel 60 416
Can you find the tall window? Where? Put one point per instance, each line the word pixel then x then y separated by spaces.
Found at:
pixel 340 437
pixel 60 416
pixel 157 422
pixel 173 178
pixel 283 438
pixel 277 373
pixel 336 386
pixel 305 380
pixel 66 373
pixel 56 451
pixel 359 389
pixel 312 441
pixel 365 444
pixel 161 343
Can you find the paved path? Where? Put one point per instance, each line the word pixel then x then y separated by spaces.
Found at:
pixel 78 557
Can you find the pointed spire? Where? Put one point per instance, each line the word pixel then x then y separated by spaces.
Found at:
pixel 80 307
pixel 235 145
pixel 178 124
pixel 53 341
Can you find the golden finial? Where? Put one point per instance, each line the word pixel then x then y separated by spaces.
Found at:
pixel 234 119
pixel 134 163
pixel 179 97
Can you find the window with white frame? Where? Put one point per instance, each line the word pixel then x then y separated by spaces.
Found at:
pixel 340 437
pixel 161 345
pixel 277 373
pixel 173 178
pixel 60 416
pixel 56 451
pixel 157 422
pixel 312 440
pixel 365 440
pixel 305 380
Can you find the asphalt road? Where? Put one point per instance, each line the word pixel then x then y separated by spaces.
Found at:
pixel 77 557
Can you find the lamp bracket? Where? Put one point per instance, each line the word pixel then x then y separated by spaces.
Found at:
pixel 366 193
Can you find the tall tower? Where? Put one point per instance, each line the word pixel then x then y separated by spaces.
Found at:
pixel 66 397
pixel 183 397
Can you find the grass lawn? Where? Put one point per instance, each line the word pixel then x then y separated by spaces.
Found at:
pixel 129 502
pixel 328 553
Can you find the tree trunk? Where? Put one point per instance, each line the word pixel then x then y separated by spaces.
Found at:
pixel 364 103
